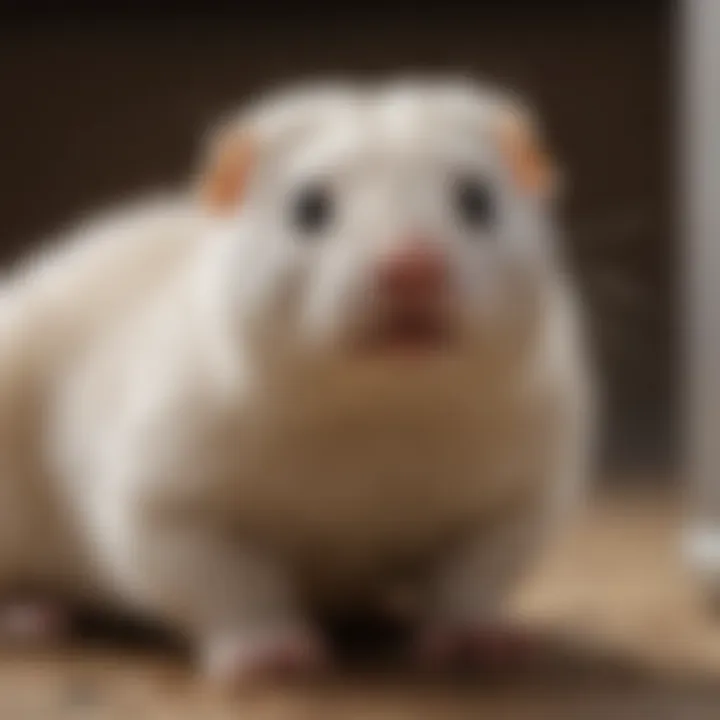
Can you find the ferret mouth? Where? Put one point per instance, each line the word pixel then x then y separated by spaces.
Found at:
pixel 410 331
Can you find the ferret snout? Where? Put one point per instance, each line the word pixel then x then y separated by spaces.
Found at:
pixel 412 282
pixel 414 273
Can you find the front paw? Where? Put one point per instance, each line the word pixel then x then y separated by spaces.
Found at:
pixel 240 659
pixel 33 621
pixel 471 646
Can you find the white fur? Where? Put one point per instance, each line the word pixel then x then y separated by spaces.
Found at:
pixel 185 430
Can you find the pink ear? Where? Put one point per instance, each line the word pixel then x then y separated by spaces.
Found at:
pixel 531 167
pixel 226 170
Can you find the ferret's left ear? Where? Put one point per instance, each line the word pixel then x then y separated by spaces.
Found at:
pixel 225 169
pixel 532 168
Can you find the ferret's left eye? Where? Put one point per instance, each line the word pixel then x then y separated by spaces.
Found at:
pixel 474 202
pixel 312 209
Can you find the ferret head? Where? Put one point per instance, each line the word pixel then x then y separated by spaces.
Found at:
pixel 408 221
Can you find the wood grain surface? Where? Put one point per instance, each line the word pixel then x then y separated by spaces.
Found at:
pixel 626 635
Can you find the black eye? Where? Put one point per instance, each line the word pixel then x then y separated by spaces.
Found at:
pixel 474 202
pixel 312 209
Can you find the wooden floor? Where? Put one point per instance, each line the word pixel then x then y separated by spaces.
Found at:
pixel 629 636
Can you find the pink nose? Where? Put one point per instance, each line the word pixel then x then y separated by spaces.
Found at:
pixel 415 272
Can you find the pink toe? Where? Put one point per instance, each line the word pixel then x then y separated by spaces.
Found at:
pixel 254 660
pixel 33 621
pixel 473 645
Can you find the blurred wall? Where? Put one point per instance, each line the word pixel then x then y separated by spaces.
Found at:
pixel 95 105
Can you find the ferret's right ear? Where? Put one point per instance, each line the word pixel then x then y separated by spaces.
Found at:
pixel 225 168
pixel 531 166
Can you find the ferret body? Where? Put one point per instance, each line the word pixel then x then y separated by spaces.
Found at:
pixel 53 307
pixel 354 364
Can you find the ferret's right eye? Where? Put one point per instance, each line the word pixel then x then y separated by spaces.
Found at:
pixel 312 209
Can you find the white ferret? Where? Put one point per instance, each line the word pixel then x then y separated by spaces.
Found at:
pixel 351 361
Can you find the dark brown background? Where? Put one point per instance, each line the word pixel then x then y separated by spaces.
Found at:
pixel 97 106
